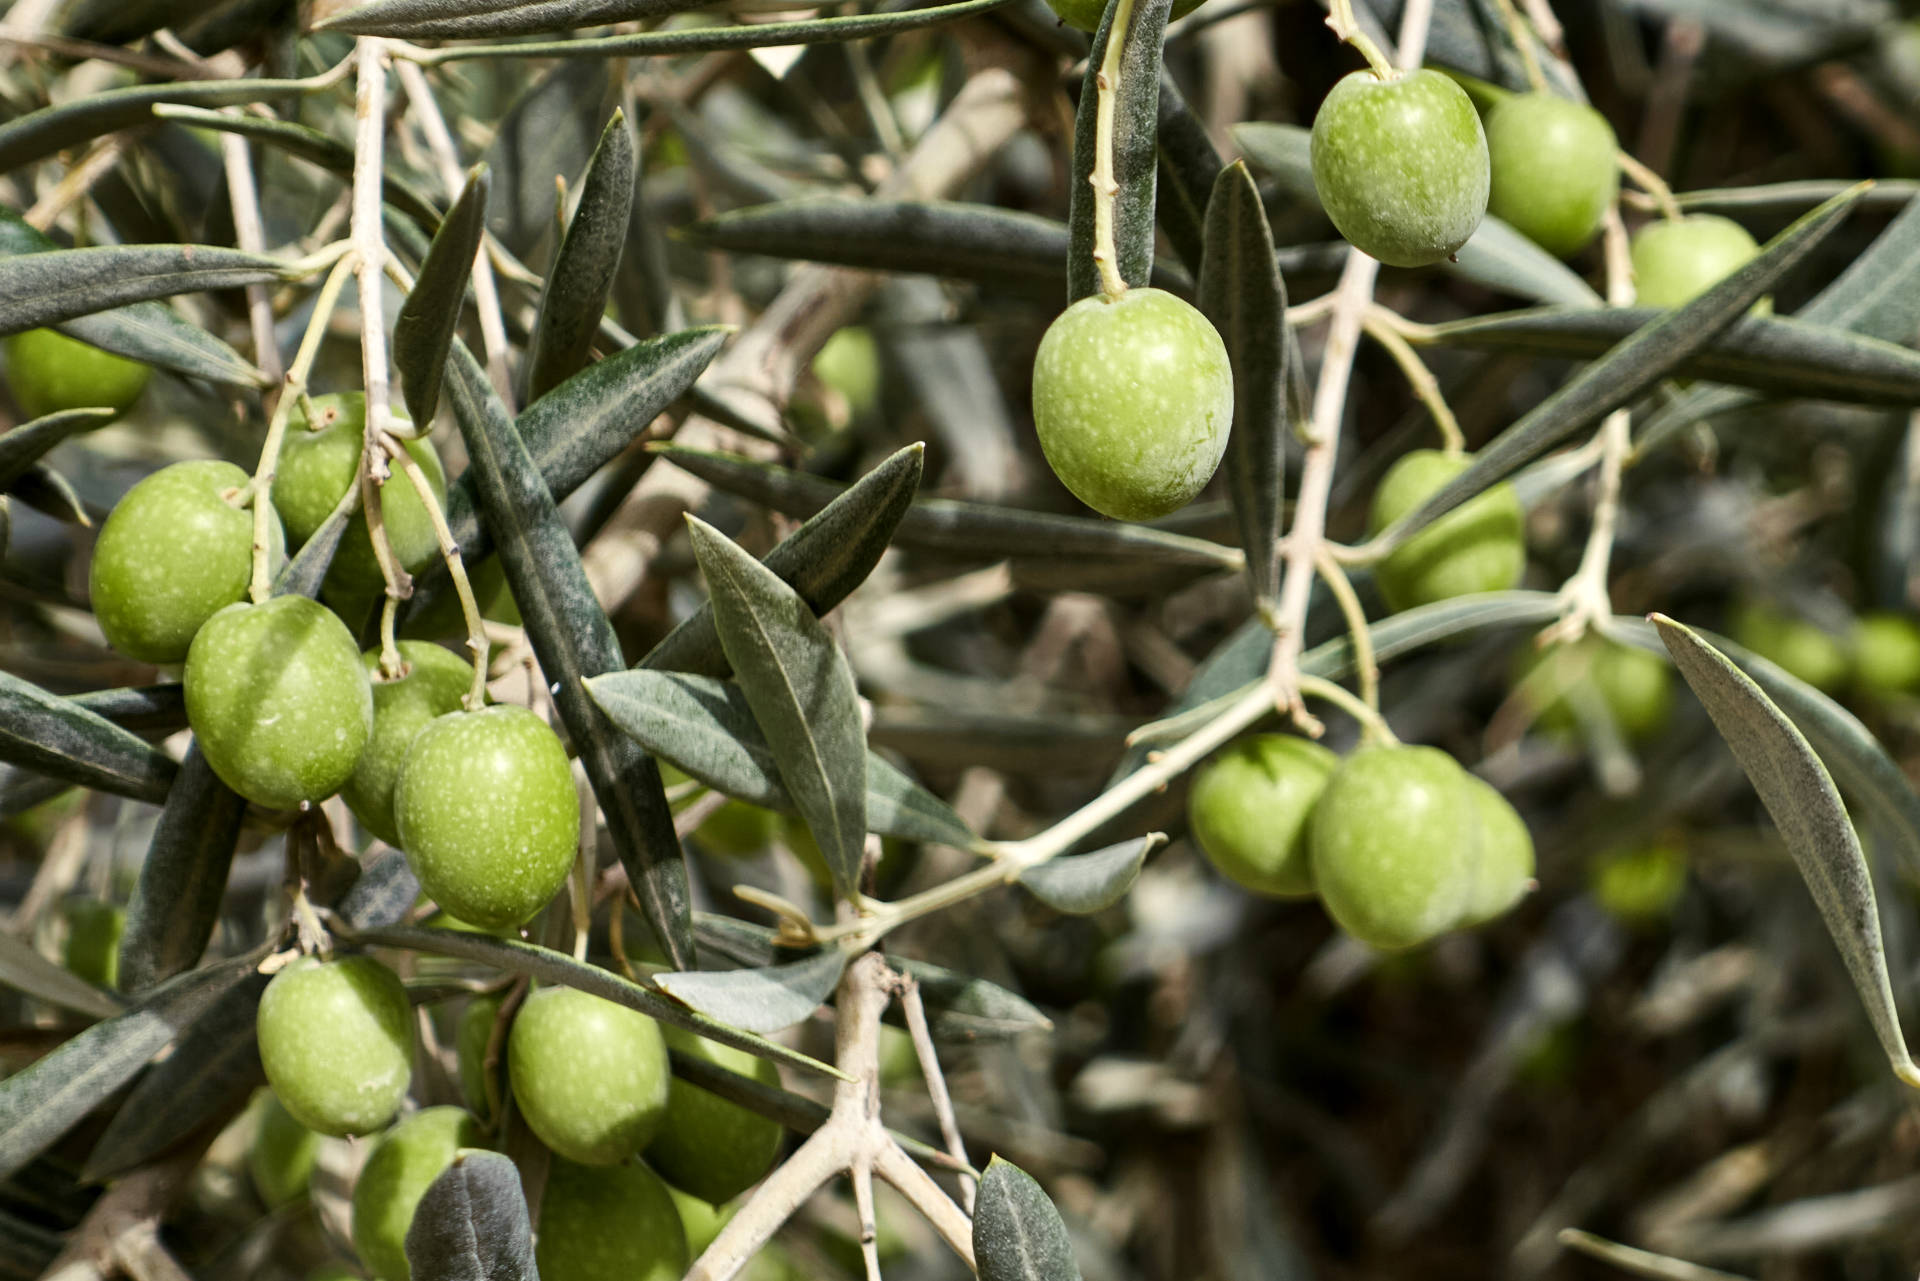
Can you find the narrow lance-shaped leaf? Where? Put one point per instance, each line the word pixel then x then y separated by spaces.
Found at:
pixel 176 902
pixel 24 445
pixel 1082 884
pixel 60 284
pixel 1242 294
pixel 474 19
pixel 801 692
pixel 573 640
pixel 1626 372
pixel 1017 1234
pixel 1189 166
pixel 1130 125
pixel 763 1000
pixel 547 133
pixel 42 133
pixel 471 1224
pixel 577 286
pixel 24 970
pixel 58 736
pixel 423 332
pixel 1798 793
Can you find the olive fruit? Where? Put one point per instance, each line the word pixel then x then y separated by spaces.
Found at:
pixel 615 1224
pixel 1479 546
pixel 1401 165
pixel 336 1041
pixel 737 829
pixel 1503 872
pixel 1639 884
pixel 701 1220
pixel 1635 685
pixel 470 1040
pixel 278 700
pixel 282 1154
pixel 1393 842
pixel 93 939
pixel 487 813
pixel 1795 646
pixel 1085 15
pixel 1132 399
pixel 433 682
pixel 1555 169
pixel 590 1076
pixel 1886 655
pixel 318 466
pixel 1675 260
pixel 1249 806
pixel 173 552
pixel 709 1146
pixel 48 372
pixel 403 1165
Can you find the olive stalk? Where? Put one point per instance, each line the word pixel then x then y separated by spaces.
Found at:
pixel 476 696
pixel 1373 726
pixel 1650 182
pixel 1522 38
pixel 1366 669
pixel 1387 329
pixel 1106 253
pixel 1340 19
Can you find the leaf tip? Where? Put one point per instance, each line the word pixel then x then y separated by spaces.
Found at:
pixel 1908 1072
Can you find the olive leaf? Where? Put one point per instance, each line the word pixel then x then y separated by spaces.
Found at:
pixel 62 738
pixel 801 692
pixel 176 901
pixel 1189 166
pixel 59 284
pixel 23 969
pixel 1131 128
pixel 471 1224
pixel 548 133
pixel 475 19
pixel 48 492
pixel 1798 792
pixel 42 133
pixel 763 1000
pixel 24 445
pixel 1082 884
pixel 383 894
pixel 1017 1234
pixel 423 331
pixel 574 296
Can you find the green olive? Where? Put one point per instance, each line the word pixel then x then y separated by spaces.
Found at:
pixel 405 1162
pixel 1503 873
pixel 48 372
pixel 706 1145
pixel 737 830
pixel 702 1221
pixel 591 1077
pixel 1676 260
pixel 93 939
pixel 336 1041
pixel 1555 172
pixel 471 1038
pixel 434 682
pixel 1886 655
pixel 1635 685
pixel 1479 546
pixel 1795 646
pixel 613 1223
pixel 1640 884
pixel 1249 807
pixel 282 1154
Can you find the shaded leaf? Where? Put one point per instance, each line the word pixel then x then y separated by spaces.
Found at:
pixel 801 692
pixel 1081 884
pixel 23 446
pixel 473 19
pixel 471 1224
pixel 59 284
pixel 176 902
pixel 40 134
pixel 1799 794
pixel 47 491
pixel 423 331
pixel 575 294
pixel 306 570
pixel 760 1000
pixel 58 737
pixel 1135 117
pixel 1242 294
pixel 573 640
pixel 547 134
pixel 1017 1234
pixel 1189 165
pixel 23 969
pixel 383 894
pixel 962 1008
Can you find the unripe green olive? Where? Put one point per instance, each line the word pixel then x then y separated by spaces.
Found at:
pixel 707 1145
pixel 471 1038
pixel 1400 165
pixel 609 1224
pixel 403 1165
pixel 1249 807
pixel 488 814
pixel 282 1154
pixel 1794 645
pixel 1479 546
pixel 701 1220
pixel 434 683
pixel 1132 400
pixel 172 553
pixel 737 830
pixel 1675 260
pixel 1886 655
pixel 1640 884
pixel 1636 685
pixel 336 1041
pixel 1085 15
pixel 93 939
pixel 278 700
pixel 48 372
pixel 591 1077
pixel 1503 872
pixel 1393 841
pixel 1555 171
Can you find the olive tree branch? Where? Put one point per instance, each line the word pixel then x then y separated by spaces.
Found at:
pixel 1106 81
pixel 248 234
pixel 476 696
pixel 1387 329
pixel 916 1013
pixel 1652 183
pixel 1366 669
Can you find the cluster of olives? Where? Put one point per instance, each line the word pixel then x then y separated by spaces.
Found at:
pixel 1879 658
pixel 642 1161
pixel 1632 685
pixel 1399 843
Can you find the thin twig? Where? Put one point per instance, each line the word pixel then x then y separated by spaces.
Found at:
pixel 1522 38
pixel 1366 669
pixel 916 1011
pixel 1383 326
pixel 79 180
pixel 249 235
pixel 1650 182
pixel 476 697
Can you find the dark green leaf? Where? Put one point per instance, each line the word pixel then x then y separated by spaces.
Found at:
pixel 802 695
pixel 423 332
pixel 24 970
pixel 123 21
pixel 57 736
pixel 1017 1234
pixel 306 570
pixel 1787 199
pixel 706 728
pixel 59 284
pixel 1242 294
pixel 1799 794
pixel 573 640
pixel 963 528
pixel 574 296
pixel 643 287
pixel 176 902
pixel 23 446
pixel 383 895
pixel 1082 884
pixel 471 1224
pixel 474 19
pixel 40 134
pixel 547 134
pixel 1135 117
pixel 48 492
pixel 1189 166
pixel 760 1000
pixel 962 1008
pixel 823 560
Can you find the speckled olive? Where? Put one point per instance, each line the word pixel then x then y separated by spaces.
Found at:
pixel 172 553
pixel 615 1224
pixel 336 1041
pixel 1249 807
pixel 434 682
pixel 487 813
pixel 282 1153
pixel 93 939
pixel 48 372
pixel 1635 685
pixel 1797 647
pixel 1554 169
pixel 1477 547
pixel 1676 260
pixel 1132 400
pixel 1886 655
pixel 470 1040
pixel 315 470
pixel 1085 15
pixel 405 1162
pixel 1400 165
pixel 278 700
pixel 1503 868
pixel 590 1076
pixel 1392 842
pixel 706 1145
